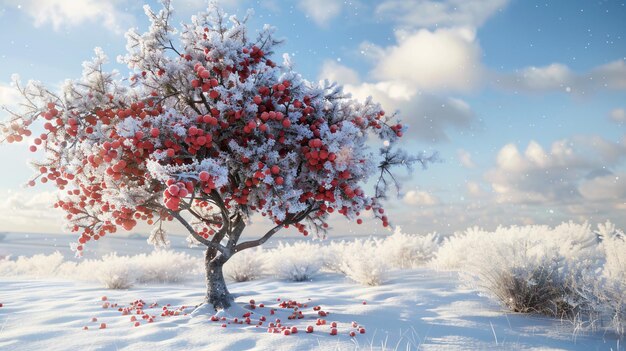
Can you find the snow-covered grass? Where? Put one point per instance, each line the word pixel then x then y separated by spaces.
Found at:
pixel 569 271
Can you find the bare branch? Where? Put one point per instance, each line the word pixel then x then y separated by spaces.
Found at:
pixel 195 235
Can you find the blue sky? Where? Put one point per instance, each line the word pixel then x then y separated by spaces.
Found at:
pixel 524 100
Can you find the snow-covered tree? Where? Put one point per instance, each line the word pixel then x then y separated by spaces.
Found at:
pixel 207 130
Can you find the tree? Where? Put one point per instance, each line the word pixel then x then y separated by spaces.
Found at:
pixel 207 130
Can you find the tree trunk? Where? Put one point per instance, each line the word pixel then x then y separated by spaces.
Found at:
pixel 217 293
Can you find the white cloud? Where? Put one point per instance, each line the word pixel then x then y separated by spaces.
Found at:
pixel 441 60
pixel 418 197
pixel 430 13
pixel 465 158
pixel 559 77
pixel 618 115
pixel 336 72
pixel 9 96
pixel 429 117
pixel 567 172
pixel 473 189
pixel 610 187
pixel 29 211
pixel 321 11
pixel 552 77
pixel 64 13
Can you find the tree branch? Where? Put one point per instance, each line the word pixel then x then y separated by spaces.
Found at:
pixel 260 241
pixel 210 244
pixel 289 220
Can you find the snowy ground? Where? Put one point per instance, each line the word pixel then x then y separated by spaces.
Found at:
pixel 416 309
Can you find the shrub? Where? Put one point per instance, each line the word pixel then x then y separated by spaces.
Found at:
pixel 568 271
pixel 296 262
pixel 245 266
pixel 115 273
pixel 363 262
pixel 409 251
pixel 165 266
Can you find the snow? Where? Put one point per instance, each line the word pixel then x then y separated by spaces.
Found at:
pixel 414 308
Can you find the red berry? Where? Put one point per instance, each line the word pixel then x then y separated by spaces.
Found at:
pixel 204 176
pixel 309 329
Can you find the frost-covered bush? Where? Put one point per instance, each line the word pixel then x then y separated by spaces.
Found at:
pixel 611 292
pixel 332 256
pixel 116 273
pixel 531 283
pixel 165 266
pixel 364 262
pixel 409 251
pixel 567 271
pixel 245 266
pixel 113 271
pixel 36 266
pixel 296 262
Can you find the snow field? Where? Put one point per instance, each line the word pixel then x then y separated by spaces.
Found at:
pixel 570 272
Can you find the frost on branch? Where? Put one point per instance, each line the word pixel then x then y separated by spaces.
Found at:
pixel 206 130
